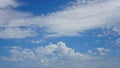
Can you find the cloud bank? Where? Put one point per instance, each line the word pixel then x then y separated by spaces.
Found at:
pixel 58 56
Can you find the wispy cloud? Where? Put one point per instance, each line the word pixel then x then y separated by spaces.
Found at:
pixel 71 21
pixel 36 41
pixel 103 51
pixel 68 22
pixel 7 3
pixel 10 21
pixel 16 33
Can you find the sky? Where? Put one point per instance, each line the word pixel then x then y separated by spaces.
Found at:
pixel 59 34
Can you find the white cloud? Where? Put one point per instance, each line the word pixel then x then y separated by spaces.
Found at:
pixel 57 56
pixel 16 33
pixel 99 51
pixel 74 20
pixel 36 41
pixel 7 3
pixel 10 18
pixel 68 22
pixel 103 51
pixel 10 21
pixel 52 51
pixel 117 41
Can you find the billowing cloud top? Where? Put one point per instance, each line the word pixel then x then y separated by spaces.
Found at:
pixel 59 56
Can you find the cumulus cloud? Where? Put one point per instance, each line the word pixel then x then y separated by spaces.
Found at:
pixel 56 56
pixel 51 51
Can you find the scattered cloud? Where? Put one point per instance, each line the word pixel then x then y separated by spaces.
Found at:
pixel 58 56
pixel 99 51
pixel 103 51
pixel 68 22
pixel 16 33
pixel 118 41
pixel 50 51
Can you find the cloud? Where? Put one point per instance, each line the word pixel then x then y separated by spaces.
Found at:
pixel 11 21
pixel 16 33
pixel 7 3
pixel 103 51
pixel 70 21
pixel 73 20
pixel 51 51
pixel 36 41
pixel 57 56
pixel 99 51
pixel 117 41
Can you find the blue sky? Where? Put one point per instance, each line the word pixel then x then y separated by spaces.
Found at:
pixel 55 33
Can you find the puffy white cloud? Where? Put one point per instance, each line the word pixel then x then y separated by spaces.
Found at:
pixel 57 56
pixel 51 51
